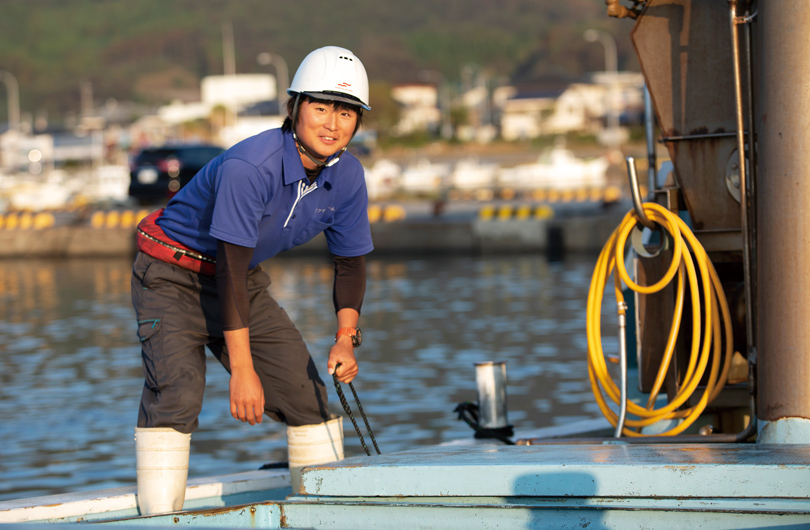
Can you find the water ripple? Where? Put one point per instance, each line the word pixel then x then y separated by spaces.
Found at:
pixel 70 368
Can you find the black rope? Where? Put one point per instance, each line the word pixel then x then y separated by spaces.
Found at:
pixel 468 412
pixel 351 417
pixel 365 420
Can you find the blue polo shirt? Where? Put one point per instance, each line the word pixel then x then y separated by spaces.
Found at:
pixel 256 194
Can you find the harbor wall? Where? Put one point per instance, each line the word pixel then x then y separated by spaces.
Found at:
pixel 476 235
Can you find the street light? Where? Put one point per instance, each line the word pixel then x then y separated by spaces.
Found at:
pixel 282 75
pixel 9 153
pixel 611 66
pixel 13 97
pixel 444 97
pixel 481 81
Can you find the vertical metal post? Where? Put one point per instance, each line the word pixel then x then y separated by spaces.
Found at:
pixel 9 154
pixel 228 53
pixel 282 76
pixel 623 368
pixel 649 129
pixel 751 193
pixel 738 107
pixel 612 70
pixel 13 99
pixel 490 379
pixel 783 246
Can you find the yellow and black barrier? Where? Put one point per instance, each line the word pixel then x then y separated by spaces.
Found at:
pixel 608 194
pixel 117 218
pixel 547 198
pixel 23 220
pixel 109 219
pixel 27 221
pixel 387 214
pixel 519 212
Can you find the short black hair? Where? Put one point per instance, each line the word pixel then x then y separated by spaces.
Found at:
pixel 339 105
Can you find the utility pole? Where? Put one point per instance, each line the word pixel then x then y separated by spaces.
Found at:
pixel 282 76
pixel 228 53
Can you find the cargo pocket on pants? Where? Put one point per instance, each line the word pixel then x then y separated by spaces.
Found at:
pixel 148 335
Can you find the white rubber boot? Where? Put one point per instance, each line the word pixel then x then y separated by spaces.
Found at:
pixel 309 445
pixel 161 456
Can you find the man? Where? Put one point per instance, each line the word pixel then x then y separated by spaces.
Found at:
pixel 197 281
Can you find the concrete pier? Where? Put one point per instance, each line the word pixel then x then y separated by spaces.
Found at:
pixel 475 229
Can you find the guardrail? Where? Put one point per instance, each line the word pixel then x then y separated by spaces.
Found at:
pixel 508 212
pixel 541 207
pixel 387 214
pixel 27 221
pixel 112 219
pixel 117 219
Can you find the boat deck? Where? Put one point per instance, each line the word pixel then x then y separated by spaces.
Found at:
pixel 608 485
pixel 606 470
pixel 611 484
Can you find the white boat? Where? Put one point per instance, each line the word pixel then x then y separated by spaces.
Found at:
pixel 556 169
pixel 423 177
pixel 58 189
pixel 470 174
pixel 382 179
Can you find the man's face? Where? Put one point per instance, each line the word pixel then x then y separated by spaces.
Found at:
pixel 323 129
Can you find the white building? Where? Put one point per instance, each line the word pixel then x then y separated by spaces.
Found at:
pixel 237 90
pixel 583 107
pixel 523 114
pixel 230 91
pixel 579 108
pixel 419 108
pixel 234 93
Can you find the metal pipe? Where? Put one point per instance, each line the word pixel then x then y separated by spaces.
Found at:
pixel 637 203
pixel 612 69
pixel 738 108
pixel 490 380
pixel 282 76
pixel 623 369
pixel 649 128
pixel 13 100
pixel 750 429
pixel 783 243
pixel 686 137
pixel 751 184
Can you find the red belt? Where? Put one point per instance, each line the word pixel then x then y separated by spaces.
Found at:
pixel 154 242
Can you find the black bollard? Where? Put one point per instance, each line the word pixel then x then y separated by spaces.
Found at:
pixel 555 246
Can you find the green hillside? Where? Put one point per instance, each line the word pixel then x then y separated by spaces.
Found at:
pixel 152 51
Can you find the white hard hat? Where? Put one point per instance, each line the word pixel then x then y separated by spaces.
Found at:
pixel 332 73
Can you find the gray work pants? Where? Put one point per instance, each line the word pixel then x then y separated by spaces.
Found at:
pixel 178 316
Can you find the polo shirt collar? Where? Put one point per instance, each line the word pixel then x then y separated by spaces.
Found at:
pixel 293 168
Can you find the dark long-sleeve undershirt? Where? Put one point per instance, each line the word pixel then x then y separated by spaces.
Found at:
pixel 232 266
pixel 350 282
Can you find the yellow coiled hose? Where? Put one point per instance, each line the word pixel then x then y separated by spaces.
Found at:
pixel 706 330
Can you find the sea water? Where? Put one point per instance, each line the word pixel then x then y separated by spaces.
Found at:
pixel 70 368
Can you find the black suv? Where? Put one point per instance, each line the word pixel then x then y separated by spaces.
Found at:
pixel 157 173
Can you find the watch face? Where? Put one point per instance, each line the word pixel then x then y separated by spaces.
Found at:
pixel 356 338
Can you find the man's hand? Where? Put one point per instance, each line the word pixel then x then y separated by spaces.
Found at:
pixel 342 354
pixel 246 391
pixel 247 396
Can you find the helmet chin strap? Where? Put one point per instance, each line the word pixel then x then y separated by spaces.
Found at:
pixel 301 149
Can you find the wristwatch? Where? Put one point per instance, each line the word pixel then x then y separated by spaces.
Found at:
pixel 354 333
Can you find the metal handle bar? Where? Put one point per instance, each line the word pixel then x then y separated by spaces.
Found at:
pixel 637 204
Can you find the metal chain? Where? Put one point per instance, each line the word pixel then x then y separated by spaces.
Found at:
pixel 351 417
